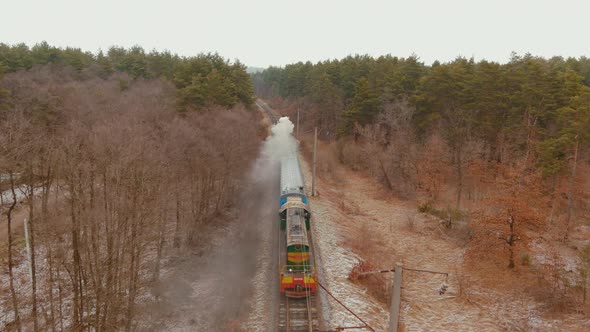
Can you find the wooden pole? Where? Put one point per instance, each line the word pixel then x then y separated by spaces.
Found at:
pixel 315 148
pixel 298 123
pixel 396 297
pixel 28 247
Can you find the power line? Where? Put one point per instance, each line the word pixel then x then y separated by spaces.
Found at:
pixel 367 326
pixel 405 268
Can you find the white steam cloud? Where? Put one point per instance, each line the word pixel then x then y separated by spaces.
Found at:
pixel 281 143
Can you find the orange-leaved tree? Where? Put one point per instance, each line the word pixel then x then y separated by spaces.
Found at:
pixel 511 214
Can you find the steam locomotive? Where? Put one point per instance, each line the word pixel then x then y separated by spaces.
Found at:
pixel 296 264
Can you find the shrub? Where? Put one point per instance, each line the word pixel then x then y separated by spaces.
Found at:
pixel 425 207
pixel 378 284
pixel 525 259
pixel 410 221
pixel 448 214
pixel 358 269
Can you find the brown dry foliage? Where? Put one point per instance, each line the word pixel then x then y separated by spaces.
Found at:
pixel 432 170
pixel 502 229
pixel 122 179
pixel 378 284
pixel 386 149
pixel 369 247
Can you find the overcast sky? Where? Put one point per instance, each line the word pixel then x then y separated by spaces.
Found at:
pixel 277 32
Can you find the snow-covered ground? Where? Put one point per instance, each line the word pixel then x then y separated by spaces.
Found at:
pixel 336 263
pixel 20 192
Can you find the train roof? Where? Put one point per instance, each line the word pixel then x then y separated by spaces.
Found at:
pixel 293 201
pixel 296 231
pixel 291 178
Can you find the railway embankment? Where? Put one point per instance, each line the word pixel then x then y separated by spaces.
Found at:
pixel 335 261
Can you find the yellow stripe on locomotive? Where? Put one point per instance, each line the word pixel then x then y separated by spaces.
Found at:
pixel 298 258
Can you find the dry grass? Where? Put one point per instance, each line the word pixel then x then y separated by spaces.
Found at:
pixel 410 222
pixel 350 208
pixel 378 284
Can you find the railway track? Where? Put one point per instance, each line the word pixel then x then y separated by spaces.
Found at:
pixel 298 315
pixel 271 114
pixel 294 315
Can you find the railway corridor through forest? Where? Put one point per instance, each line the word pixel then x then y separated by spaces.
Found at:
pixel 292 314
pixel 232 284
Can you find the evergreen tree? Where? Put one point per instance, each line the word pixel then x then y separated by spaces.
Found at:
pixel 220 90
pixel 364 106
pixel 105 64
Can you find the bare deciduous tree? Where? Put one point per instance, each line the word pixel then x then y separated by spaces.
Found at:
pixel 114 179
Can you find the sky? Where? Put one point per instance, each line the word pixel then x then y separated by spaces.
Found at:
pixel 260 33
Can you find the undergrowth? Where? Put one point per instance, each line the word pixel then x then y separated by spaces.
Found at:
pixel 448 214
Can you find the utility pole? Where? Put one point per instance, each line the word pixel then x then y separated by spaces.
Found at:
pixel 396 290
pixel 315 148
pixel 28 246
pixel 395 300
pixel 298 123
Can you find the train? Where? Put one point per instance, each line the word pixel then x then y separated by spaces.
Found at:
pixel 296 261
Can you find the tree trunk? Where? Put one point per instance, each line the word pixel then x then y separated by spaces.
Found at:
pixel 385 175
pixel 109 250
pixel 160 245
pixel 460 176
pixel 570 196
pixel 44 218
pixel 511 259
pixel 553 198
pixel 75 259
pixel 132 279
pixel 81 242
pixel 10 273
pixel 60 299
pixel 531 123
pixel 177 226
pixel 50 287
pixel 511 240
pixel 30 196
pixel 221 191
